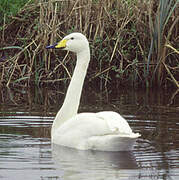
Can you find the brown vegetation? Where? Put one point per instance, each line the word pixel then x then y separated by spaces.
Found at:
pixel 120 35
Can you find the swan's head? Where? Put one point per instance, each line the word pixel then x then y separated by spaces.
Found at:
pixel 75 42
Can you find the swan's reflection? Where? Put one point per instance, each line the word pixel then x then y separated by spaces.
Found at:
pixel 94 165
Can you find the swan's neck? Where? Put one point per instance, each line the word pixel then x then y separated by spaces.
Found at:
pixel 72 99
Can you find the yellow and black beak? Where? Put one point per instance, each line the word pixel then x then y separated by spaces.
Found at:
pixel 60 45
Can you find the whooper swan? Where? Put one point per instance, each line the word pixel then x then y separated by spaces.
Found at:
pixel 103 131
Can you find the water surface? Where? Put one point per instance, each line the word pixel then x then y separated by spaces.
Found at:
pixel 26 152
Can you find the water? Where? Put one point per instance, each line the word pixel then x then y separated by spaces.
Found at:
pixel 26 151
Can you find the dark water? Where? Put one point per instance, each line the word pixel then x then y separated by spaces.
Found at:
pixel 26 152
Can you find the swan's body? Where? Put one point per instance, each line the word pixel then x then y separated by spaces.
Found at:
pixel 104 131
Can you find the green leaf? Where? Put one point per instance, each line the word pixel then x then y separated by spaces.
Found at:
pixel 11 47
pixel 20 79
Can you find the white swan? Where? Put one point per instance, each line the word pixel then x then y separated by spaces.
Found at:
pixel 104 131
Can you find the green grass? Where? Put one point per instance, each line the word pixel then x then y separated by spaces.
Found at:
pixel 11 7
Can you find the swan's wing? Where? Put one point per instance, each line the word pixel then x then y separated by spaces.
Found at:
pixel 79 129
pixel 116 122
pixel 94 124
pixel 86 124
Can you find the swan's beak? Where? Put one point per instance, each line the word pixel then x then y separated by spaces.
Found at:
pixel 60 45
pixel 51 46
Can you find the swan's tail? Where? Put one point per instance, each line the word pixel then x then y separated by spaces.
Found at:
pixel 113 142
pixel 131 135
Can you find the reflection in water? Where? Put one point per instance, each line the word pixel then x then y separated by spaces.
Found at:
pixel 25 148
pixel 94 165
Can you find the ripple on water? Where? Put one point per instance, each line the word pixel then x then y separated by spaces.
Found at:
pixel 26 153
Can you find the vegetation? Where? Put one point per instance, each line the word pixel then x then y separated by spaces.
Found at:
pixel 132 42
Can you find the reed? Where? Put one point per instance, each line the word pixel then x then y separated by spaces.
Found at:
pixel 159 37
pixel 119 38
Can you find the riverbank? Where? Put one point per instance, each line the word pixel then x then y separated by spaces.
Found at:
pixel 133 43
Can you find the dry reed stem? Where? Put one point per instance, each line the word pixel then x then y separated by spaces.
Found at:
pixel 66 69
pixel 173 97
pixel 171 47
pixel 15 58
pixel 171 75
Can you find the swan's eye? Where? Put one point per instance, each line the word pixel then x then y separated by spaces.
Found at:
pixel 72 38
